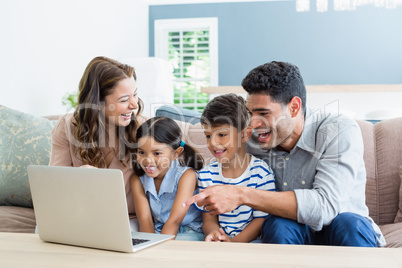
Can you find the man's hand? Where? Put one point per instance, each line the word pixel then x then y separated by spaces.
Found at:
pixel 217 199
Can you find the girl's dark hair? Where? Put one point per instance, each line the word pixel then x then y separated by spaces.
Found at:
pixel 166 130
pixel 98 81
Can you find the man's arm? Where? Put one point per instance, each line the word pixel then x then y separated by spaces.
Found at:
pixel 224 198
pixel 339 181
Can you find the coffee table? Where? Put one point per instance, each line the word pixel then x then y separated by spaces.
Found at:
pixel 27 250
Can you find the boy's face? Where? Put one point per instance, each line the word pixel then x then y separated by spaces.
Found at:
pixel 225 141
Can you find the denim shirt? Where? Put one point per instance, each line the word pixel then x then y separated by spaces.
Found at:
pixel 325 170
pixel 161 203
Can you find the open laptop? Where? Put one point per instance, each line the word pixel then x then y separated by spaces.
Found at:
pixel 85 207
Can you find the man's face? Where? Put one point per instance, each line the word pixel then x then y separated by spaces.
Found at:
pixel 271 121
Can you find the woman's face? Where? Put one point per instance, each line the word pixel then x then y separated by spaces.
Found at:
pixel 121 104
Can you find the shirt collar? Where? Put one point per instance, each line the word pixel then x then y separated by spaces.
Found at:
pixel 168 183
pixel 307 139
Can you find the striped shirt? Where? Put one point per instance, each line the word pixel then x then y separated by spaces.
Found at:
pixel 258 175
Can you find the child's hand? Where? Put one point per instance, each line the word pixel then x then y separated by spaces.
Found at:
pixel 224 237
pixel 218 236
pixel 213 237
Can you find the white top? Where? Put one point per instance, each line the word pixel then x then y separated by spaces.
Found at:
pixel 258 175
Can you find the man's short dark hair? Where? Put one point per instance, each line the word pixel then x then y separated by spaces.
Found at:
pixel 226 109
pixel 280 80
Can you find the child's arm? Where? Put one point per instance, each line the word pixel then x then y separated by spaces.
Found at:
pixel 210 227
pixel 141 205
pixel 185 189
pixel 251 232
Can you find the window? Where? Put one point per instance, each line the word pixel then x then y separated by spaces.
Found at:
pixel 191 46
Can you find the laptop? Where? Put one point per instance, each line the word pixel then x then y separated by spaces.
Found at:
pixel 85 207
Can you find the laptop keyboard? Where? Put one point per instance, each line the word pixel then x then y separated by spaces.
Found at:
pixel 137 241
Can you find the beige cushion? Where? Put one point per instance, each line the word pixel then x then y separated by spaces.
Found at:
pixel 196 138
pixel 393 234
pixel 398 217
pixel 17 219
pixel 389 158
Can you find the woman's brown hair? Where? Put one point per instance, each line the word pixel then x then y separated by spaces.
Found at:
pixel 98 81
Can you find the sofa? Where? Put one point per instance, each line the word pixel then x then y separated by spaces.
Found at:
pixel 25 139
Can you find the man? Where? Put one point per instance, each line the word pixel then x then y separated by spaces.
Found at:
pixel 318 163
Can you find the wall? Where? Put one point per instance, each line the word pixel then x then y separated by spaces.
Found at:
pixel 47 44
pixel 335 47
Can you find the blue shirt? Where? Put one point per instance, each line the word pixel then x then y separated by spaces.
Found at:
pixel 161 203
pixel 325 170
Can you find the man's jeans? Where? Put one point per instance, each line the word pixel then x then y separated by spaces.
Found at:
pixel 347 229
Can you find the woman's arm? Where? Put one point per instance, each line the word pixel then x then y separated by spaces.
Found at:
pixel 141 205
pixel 185 189
pixel 60 152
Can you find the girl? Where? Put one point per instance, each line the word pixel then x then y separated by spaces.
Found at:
pixel 164 178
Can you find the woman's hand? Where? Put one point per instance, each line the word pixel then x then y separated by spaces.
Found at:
pixel 87 166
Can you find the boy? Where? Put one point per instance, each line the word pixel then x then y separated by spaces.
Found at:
pixel 225 122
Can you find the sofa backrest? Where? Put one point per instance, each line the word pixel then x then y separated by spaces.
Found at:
pixel 382 157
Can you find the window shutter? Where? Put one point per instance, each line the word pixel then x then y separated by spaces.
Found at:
pixel 188 48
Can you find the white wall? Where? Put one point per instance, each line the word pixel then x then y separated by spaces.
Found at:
pixel 359 105
pixel 46 45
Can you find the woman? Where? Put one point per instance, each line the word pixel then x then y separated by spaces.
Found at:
pixel 101 131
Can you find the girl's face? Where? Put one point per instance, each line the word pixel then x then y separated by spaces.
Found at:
pixel 155 158
pixel 121 104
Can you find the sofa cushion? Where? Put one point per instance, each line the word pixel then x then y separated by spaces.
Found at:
pixel 389 158
pixel 393 234
pixel 24 140
pixel 17 219
pixel 398 217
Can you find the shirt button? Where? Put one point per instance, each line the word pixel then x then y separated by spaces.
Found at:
pixel 157 201
pixel 303 182
pixel 287 158
pixel 285 183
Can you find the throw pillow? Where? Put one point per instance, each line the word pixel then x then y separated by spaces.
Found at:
pixel 24 140
pixel 398 217
pixel 179 114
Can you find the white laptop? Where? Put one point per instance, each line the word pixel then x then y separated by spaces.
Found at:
pixel 85 207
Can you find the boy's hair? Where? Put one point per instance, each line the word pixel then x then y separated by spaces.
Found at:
pixel 226 109
pixel 280 80
pixel 166 130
